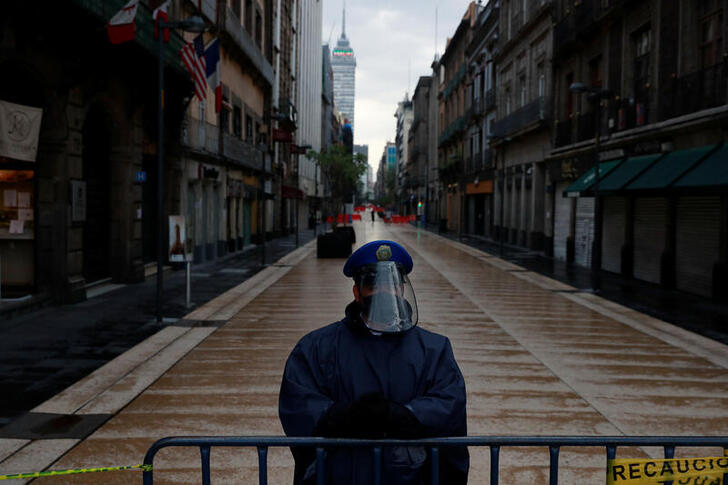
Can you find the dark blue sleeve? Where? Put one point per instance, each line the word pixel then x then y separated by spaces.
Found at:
pixel 303 399
pixel 442 408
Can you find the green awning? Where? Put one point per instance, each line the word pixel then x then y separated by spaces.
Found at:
pixel 711 172
pixel 626 172
pixel 669 168
pixel 584 182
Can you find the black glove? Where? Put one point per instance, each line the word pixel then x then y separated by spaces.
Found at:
pixel 402 423
pixel 335 423
pixel 372 416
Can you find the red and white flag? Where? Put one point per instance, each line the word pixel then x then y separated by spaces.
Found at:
pixel 121 26
pixel 193 57
pixel 160 15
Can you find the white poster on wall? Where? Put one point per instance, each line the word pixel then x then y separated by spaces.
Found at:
pixel 19 131
pixel 177 238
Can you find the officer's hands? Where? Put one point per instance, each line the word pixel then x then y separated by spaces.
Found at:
pixel 372 416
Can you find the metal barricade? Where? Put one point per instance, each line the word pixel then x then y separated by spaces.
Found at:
pixel 495 443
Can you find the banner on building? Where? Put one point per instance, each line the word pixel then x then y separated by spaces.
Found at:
pixel 177 237
pixel 19 131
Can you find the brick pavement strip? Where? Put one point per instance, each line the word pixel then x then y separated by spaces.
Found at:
pixel 537 360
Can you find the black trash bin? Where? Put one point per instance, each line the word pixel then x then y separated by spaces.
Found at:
pixel 443 225
pixel 333 245
pixel 348 231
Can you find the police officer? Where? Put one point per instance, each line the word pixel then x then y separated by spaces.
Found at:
pixel 375 375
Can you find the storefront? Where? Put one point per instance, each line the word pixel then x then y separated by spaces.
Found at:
pixel 479 196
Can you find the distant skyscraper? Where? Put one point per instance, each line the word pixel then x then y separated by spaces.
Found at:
pixel 344 65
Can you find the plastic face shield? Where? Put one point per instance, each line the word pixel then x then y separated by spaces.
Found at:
pixel 387 299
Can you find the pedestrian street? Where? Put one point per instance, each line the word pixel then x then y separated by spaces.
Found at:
pixel 538 357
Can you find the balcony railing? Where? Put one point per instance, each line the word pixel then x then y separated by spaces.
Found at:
pixel 201 136
pixel 585 128
pixel 693 92
pixel 204 137
pixel 536 111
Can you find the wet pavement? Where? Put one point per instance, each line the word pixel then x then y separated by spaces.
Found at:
pixel 45 351
pixel 538 359
pixel 698 314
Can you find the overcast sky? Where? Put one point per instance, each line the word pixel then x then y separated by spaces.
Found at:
pixel 387 36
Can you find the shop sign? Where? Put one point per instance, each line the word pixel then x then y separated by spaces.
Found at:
pixel 204 172
pixel 177 238
pixel 19 130
pixel 141 176
pixel 482 187
pixel 282 135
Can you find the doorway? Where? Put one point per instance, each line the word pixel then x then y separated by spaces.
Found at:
pixel 97 174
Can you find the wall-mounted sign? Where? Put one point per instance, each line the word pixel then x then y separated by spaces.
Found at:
pixel 177 236
pixel 19 130
pixel 204 172
pixel 282 136
pixel 141 176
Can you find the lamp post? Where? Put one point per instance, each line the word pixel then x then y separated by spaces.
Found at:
pixel 192 24
pixel 595 96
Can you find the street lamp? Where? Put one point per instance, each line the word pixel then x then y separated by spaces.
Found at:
pixel 595 96
pixel 191 24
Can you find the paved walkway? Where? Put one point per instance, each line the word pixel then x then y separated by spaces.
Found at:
pixel 47 350
pixel 699 314
pixel 537 359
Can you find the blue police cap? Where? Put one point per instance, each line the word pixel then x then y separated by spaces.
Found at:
pixel 375 251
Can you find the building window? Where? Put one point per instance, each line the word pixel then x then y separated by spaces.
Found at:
pixel 523 91
pixel 508 100
pixel 541 80
pixel 595 72
pixel 569 96
pixel 642 40
pixel 258 30
pixel 249 16
pixel 237 121
pixel 248 129
pixel 711 41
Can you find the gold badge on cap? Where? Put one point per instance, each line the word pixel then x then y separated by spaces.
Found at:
pixel 384 253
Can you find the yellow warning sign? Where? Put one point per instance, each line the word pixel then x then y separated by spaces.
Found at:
pixel 682 471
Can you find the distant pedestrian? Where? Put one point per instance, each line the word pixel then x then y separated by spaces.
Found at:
pixel 376 375
pixel 372 215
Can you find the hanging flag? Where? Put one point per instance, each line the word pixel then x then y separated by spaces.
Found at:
pixel 160 15
pixel 193 57
pixel 212 60
pixel 121 26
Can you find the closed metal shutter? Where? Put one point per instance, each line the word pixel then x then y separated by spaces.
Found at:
pixel 613 222
pixel 584 231
pixel 650 219
pixel 562 216
pixel 697 243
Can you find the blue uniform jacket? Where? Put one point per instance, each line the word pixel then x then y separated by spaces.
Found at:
pixel 343 361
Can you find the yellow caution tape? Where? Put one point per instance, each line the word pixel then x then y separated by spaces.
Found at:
pixel 693 471
pixel 74 471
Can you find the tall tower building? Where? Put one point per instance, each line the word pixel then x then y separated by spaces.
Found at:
pixel 344 65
